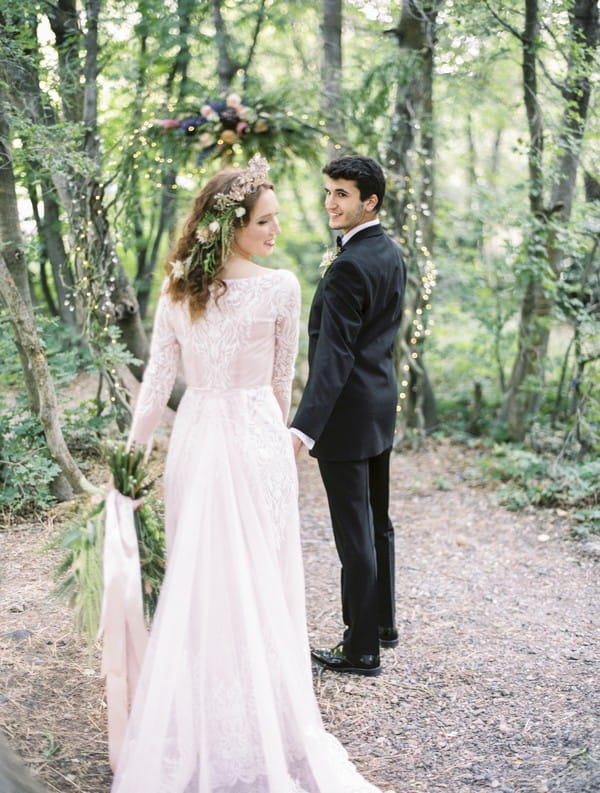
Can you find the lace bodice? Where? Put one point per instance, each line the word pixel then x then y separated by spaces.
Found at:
pixel 245 339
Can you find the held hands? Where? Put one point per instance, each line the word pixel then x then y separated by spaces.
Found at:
pixel 296 443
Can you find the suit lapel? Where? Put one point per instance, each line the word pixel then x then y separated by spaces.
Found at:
pixel 369 233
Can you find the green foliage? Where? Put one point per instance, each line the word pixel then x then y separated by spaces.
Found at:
pixel 587 522
pixel 274 126
pixel 52 747
pixel 149 522
pixel 86 424
pixel 464 350
pixel 88 420
pixel 80 572
pixel 529 478
pixel 64 354
pixel 50 150
pixel 130 479
pixel 26 468
pixel 487 243
pixel 127 469
pixel 367 102
pixel 442 483
pixel 106 353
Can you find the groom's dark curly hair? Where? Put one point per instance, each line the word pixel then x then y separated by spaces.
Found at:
pixel 367 174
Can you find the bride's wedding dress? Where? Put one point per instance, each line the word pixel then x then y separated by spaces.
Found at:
pixel 225 700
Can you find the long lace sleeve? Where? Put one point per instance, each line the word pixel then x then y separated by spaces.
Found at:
pixel 286 343
pixel 159 376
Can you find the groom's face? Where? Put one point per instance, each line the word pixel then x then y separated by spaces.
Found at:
pixel 344 205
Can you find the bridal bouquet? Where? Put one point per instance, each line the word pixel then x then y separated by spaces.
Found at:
pixel 81 574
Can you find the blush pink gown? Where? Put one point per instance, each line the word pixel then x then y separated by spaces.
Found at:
pixel 225 702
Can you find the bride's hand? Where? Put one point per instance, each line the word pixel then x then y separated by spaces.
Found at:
pixel 296 443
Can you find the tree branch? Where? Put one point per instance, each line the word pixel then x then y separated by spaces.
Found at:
pixel 260 18
pixel 26 333
pixel 503 23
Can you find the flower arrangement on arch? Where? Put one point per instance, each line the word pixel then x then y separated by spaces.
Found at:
pixel 225 126
pixel 220 124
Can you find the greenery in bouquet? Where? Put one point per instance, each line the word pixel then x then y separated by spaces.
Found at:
pixel 80 572
pixel 79 575
pixel 130 479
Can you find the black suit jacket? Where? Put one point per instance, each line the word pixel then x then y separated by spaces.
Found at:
pixel 349 402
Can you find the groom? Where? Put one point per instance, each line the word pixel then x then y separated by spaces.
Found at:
pixel 347 413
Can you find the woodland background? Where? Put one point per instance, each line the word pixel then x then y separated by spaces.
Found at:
pixel 485 118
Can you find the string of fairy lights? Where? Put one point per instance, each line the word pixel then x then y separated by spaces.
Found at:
pixel 421 323
pixel 419 328
pixel 91 298
pixel 145 151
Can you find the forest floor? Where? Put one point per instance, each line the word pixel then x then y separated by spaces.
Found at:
pixel 494 686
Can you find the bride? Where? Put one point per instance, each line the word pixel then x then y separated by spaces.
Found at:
pixel 225 702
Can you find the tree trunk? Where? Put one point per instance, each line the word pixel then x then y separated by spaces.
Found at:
pixel 545 253
pixel 331 77
pixel 27 96
pixel 226 66
pixel 17 297
pixel 97 264
pixel 64 21
pixel 147 263
pixel 411 197
pixel 21 317
pixel 11 242
pixel 53 250
pixel 583 17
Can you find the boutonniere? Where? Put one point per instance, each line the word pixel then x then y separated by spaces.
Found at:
pixel 328 259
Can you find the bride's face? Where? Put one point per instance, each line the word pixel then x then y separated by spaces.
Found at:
pixel 257 237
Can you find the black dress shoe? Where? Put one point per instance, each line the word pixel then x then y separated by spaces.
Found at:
pixel 338 661
pixel 388 637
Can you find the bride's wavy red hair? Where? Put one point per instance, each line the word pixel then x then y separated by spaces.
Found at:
pixel 196 288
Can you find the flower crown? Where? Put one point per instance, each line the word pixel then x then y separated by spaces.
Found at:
pixel 247 182
pixel 216 227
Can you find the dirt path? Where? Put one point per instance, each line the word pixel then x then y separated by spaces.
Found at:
pixel 494 684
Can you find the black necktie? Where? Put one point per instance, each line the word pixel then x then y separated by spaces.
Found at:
pixel 338 242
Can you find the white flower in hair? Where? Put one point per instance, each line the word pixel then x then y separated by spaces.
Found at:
pixel 177 270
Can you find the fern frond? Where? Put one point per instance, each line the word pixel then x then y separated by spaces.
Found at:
pixel 80 573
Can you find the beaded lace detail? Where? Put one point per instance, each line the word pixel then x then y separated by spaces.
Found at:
pixel 218 349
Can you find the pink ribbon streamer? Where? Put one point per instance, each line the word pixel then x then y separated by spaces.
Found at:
pixel 122 618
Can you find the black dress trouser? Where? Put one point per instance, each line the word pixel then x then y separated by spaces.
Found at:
pixel 358 496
